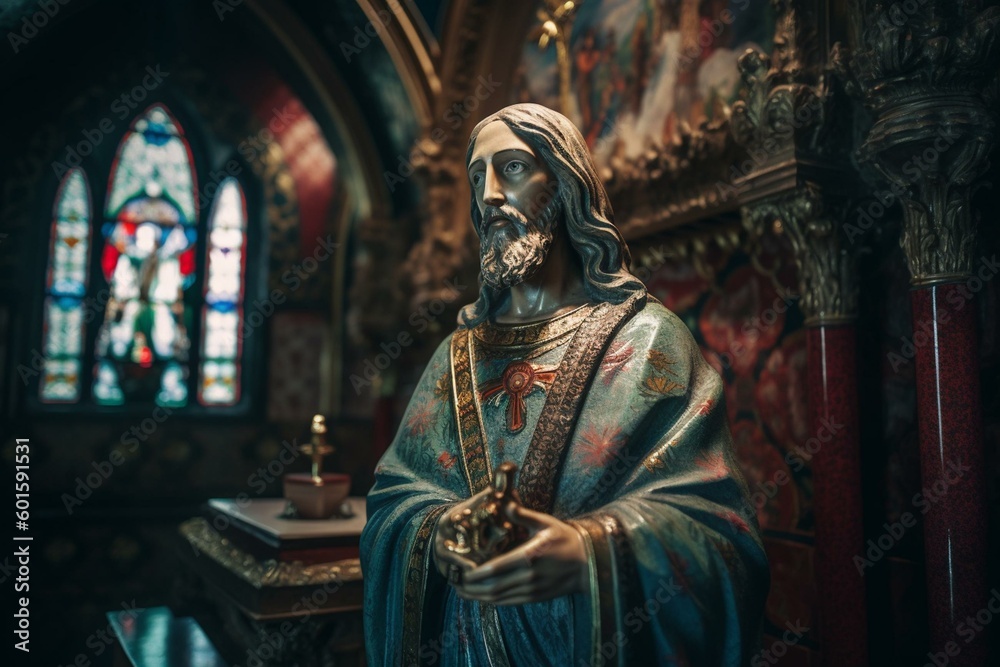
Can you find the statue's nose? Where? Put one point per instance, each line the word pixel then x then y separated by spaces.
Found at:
pixel 492 192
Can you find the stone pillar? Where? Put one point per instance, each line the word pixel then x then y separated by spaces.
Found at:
pixel 921 73
pixel 828 288
pixel 794 122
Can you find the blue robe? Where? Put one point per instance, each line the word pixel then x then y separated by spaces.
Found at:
pixel 677 569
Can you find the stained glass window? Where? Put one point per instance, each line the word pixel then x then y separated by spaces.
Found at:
pixel 66 287
pixel 150 234
pixel 222 313
pixel 152 300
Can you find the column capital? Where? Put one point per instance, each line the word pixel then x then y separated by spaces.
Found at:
pixel 924 73
pixel 812 220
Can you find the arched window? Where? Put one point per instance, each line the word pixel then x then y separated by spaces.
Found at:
pixel 65 289
pixel 154 302
pixel 222 313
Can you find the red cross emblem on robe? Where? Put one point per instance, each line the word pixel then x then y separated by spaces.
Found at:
pixel 517 381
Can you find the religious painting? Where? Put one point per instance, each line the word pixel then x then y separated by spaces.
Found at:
pixel 642 69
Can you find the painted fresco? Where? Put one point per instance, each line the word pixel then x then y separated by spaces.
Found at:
pixel 642 68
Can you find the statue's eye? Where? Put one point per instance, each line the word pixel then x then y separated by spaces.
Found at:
pixel 514 167
pixel 477 179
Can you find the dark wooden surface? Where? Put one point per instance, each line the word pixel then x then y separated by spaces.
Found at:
pixel 154 637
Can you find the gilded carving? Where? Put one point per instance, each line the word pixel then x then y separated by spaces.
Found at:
pixel 787 108
pixel 443 249
pixel 556 17
pixel 792 112
pixel 268 573
pixel 696 244
pixel 674 184
pixel 786 98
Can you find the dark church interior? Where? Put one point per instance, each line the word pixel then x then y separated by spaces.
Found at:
pixel 234 232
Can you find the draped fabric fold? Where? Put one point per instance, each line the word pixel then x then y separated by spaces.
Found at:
pixel 678 575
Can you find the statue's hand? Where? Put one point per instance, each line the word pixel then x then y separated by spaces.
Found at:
pixel 444 531
pixel 552 563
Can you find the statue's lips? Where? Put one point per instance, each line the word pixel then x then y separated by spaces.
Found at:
pixel 494 224
pixel 498 221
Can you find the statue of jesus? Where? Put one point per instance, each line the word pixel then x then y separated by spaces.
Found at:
pixel 638 543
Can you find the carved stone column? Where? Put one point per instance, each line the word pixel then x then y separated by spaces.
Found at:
pixel 827 282
pixel 792 123
pixel 921 68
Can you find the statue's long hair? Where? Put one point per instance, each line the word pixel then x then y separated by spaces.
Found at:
pixel 586 210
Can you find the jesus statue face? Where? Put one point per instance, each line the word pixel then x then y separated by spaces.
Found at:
pixel 516 196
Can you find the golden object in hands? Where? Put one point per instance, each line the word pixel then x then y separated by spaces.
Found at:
pixel 483 532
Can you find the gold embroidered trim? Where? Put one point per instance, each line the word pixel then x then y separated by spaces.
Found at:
pixel 606 591
pixel 496 650
pixel 468 414
pixel 489 352
pixel 534 333
pixel 544 459
pixel 594 593
pixel 418 566
pixel 475 461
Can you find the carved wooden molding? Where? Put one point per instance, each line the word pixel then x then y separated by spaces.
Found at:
pixel 692 244
pixel 268 573
pixel 793 103
pixel 478 71
pixel 689 180
pixel 794 120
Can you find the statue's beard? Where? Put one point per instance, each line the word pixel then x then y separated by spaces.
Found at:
pixel 512 253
